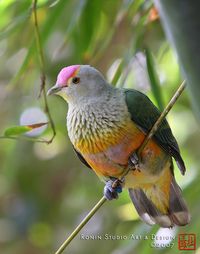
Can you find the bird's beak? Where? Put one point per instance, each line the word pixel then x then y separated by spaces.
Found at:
pixel 54 89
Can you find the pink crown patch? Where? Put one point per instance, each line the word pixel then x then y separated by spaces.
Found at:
pixel 66 73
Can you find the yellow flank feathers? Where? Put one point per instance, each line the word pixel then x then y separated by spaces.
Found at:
pixel 156 187
pixel 158 193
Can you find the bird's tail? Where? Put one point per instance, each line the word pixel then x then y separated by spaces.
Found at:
pixel 161 203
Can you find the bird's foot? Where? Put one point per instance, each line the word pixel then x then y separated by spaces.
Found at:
pixel 133 161
pixel 112 188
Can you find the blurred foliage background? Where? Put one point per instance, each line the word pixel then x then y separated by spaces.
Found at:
pixel 44 189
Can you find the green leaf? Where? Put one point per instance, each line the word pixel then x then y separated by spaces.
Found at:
pixel 18 130
pixel 154 80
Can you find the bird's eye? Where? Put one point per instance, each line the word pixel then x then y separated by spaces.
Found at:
pixel 76 80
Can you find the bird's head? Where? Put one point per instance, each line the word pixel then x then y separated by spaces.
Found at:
pixel 77 83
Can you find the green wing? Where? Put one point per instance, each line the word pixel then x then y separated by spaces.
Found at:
pixel 144 114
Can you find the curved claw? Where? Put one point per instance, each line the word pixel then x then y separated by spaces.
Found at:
pixel 112 188
pixel 134 161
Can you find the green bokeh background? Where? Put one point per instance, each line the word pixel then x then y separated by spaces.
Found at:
pixel 44 189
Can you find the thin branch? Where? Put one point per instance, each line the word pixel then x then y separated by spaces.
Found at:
pixel 146 140
pixel 35 140
pixel 39 46
pixel 81 225
pixel 42 66
pixel 163 115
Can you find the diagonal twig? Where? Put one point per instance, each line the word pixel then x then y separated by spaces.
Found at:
pixel 81 225
pixel 146 140
pixel 43 74
pixel 35 140
pixel 163 115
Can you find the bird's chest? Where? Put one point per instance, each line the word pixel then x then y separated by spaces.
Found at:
pixel 103 137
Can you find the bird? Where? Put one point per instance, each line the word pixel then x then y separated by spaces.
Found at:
pixel 106 126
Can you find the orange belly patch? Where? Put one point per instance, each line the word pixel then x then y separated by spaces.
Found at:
pixel 108 154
